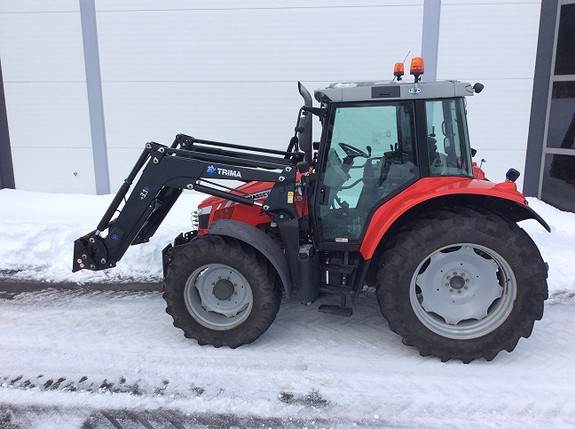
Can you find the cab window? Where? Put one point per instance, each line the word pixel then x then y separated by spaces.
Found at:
pixel 371 155
pixel 447 138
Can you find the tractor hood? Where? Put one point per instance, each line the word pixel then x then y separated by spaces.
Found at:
pixel 252 189
pixel 217 208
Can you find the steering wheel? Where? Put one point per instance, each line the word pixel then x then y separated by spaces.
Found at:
pixel 353 152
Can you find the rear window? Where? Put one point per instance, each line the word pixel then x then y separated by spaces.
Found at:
pixel 447 138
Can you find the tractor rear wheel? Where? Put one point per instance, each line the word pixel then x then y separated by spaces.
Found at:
pixel 461 284
pixel 220 292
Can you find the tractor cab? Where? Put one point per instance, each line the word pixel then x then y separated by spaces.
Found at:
pixel 378 139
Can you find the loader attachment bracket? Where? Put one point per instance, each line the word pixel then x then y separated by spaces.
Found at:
pixel 91 253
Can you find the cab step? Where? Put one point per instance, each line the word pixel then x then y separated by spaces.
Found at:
pixel 339 268
pixel 336 309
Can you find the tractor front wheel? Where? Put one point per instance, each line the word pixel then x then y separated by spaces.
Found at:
pixel 462 284
pixel 220 292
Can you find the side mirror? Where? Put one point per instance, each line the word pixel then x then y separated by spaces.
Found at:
pixel 304 128
pixel 473 152
pixel 478 87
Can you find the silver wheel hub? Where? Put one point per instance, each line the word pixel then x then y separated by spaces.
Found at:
pixel 463 291
pixel 218 296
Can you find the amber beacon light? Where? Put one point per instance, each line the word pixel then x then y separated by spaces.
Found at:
pixel 398 70
pixel 416 68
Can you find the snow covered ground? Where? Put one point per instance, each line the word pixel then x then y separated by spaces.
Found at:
pixel 37 231
pixel 67 354
pixel 70 350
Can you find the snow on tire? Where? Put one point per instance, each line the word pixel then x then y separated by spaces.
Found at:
pixel 220 292
pixel 461 284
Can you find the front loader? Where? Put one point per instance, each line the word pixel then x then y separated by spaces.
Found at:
pixel 388 198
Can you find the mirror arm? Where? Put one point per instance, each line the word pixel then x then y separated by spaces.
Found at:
pixel 317 111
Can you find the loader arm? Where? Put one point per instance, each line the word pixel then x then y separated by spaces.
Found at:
pixel 188 164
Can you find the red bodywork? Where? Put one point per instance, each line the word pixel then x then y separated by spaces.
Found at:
pixel 252 215
pixel 225 209
pixel 426 189
pixel 385 215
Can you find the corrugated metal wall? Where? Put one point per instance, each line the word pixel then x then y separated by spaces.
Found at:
pixel 227 70
pixel 493 42
pixel 45 90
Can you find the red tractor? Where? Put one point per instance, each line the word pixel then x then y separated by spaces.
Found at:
pixel 389 198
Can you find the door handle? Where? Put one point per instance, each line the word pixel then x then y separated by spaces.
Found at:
pixel 323 195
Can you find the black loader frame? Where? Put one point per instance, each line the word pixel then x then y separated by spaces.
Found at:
pixel 191 163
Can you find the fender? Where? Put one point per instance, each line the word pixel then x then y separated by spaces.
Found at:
pixel 260 241
pixel 502 198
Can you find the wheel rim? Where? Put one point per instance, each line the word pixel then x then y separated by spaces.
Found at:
pixel 463 291
pixel 218 296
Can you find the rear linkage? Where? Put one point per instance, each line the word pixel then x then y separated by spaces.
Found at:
pixel 186 164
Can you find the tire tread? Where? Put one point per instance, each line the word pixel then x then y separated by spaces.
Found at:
pixel 416 233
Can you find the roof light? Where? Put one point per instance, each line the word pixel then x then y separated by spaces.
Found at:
pixel 398 70
pixel 416 67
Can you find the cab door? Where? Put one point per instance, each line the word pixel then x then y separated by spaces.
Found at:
pixel 368 155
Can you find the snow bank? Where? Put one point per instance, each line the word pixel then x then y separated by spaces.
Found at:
pixel 557 247
pixel 37 231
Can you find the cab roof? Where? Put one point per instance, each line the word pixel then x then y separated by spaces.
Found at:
pixel 390 90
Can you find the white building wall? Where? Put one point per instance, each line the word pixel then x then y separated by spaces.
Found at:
pixel 46 101
pixel 227 70
pixel 494 43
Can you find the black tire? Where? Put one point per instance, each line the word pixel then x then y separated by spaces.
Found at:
pixel 444 227
pixel 215 249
